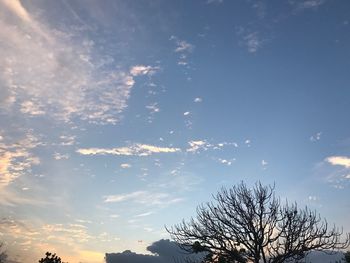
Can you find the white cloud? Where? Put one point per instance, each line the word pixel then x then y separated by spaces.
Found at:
pixel 125 165
pixel 186 113
pixel 196 146
pixel 16 159
pixel 214 2
pixel 135 149
pixel 312 198
pixel 308 4
pixel 339 160
pixel 30 108
pixel 144 198
pixel 144 214
pixel 252 42
pixel 203 145
pixel 316 137
pixel 67 140
pixel 143 70
pixel 183 46
pixel 114 216
pixel 153 107
pixel 16 7
pixel 197 99
pixel 59 156
pixel 39 64
pixel 226 162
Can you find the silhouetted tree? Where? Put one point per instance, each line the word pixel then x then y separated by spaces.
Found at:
pixel 3 254
pixel 251 225
pixel 50 258
pixel 347 257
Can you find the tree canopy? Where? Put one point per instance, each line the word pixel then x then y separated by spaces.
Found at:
pixel 50 258
pixel 347 257
pixel 3 254
pixel 252 225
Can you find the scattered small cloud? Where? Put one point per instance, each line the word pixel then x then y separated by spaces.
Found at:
pixel 264 164
pixel 125 165
pixel 183 48
pixel 198 99
pixel 186 113
pixel 227 162
pixel 316 137
pixel 31 108
pixel 114 216
pixel 252 42
pixel 214 2
pixel 307 4
pixel 59 156
pixel 153 108
pixel 312 198
pixel 67 140
pixel 203 145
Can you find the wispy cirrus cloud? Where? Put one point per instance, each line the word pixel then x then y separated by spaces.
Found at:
pixel 16 158
pixel 40 63
pixel 145 214
pixel 135 149
pixel 253 42
pixel 143 197
pixel 307 4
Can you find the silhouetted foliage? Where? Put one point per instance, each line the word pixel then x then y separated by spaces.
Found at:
pixel 3 254
pixel 347 257
pixel 50 258
pixel 252 225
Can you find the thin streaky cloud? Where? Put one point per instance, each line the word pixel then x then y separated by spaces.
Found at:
pixel 144 214
pixel 148 198
pixel 135 149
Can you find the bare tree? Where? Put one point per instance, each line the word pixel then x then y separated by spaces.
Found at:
pixel 252 225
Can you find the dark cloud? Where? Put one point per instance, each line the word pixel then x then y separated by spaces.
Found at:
pixel 164 251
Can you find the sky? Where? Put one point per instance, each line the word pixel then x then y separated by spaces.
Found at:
pixel 119 117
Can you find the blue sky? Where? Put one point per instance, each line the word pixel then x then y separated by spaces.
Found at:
pixel 120 117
